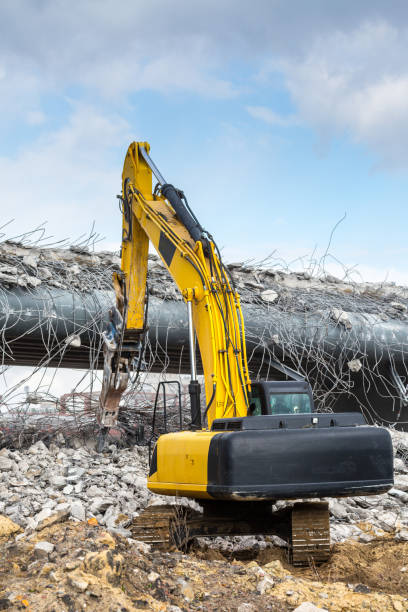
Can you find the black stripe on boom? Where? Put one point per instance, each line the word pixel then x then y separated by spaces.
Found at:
pixel 166 248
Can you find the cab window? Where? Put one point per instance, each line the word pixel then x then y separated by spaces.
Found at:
pixel 255 408
pixel 289 403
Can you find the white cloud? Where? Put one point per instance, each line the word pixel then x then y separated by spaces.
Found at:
pixel 68 177
pixel 343 63
pixel 356 82
pixel 166 74
pixel 269 116
pixel 109 51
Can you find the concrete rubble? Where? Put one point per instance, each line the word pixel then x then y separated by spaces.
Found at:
pixel 41 486
pixel 67 513
pixel 65 538
pixel 80 270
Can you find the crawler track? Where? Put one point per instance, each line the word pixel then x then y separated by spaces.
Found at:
pixel 310 540
pixel 305 527
pixel 153 526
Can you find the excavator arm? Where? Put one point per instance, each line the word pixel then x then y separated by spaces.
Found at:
pixel 164 218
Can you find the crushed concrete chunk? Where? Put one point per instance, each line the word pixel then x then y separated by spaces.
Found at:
pixel 78 510
pixel 387 521
pixel 269 296
pixel 78 583
pixel 329 278
pixel 73 340
pixel 307 606
pixel 366 538
pixel 354 365
pixel 186 589
pixel 399 306
pixel 401 495
pixel 402 535
pixel 38 447
pixel 400 467
pixel 75 474
pixel 31 281
pixel 101 504
pixel 153 576
pixel 43 549
pixel 265 585
pixel 401 480
pixel 342 317
pixel 58 482
pixel 30 260
pixel 337 509
pixel 6 464
pixel 48 517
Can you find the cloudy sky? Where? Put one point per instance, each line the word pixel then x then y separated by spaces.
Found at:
pixel 276 117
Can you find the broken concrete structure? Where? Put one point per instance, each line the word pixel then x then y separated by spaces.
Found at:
pixel 349 339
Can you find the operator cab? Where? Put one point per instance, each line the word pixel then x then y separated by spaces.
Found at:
pixel 280 397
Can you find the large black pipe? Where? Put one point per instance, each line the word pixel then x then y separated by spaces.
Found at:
pixel 40 327
pixel 48 316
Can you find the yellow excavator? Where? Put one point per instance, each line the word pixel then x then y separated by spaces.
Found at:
pixel 250 453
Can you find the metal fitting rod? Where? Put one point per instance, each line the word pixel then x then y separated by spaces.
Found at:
pixel 191 341
pixel 152 166
pixel 194 388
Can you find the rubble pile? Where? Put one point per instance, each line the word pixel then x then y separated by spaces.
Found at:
pixel 75 268
pixel 40 485
pixel 78 269
pixel 66 543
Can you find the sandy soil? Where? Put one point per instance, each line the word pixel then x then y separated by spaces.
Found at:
pixel 89 569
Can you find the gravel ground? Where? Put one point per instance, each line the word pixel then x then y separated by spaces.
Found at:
pixel 65 539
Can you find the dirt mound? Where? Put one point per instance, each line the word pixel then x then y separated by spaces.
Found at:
pixel 76 566
pixel 382 565
pixel 73 566
pixel 372 576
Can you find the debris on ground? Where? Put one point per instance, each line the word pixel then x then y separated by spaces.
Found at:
pixel 43 485
pixel 84 567
pixel 66 544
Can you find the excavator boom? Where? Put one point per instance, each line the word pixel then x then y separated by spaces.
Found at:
pixel 192 258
